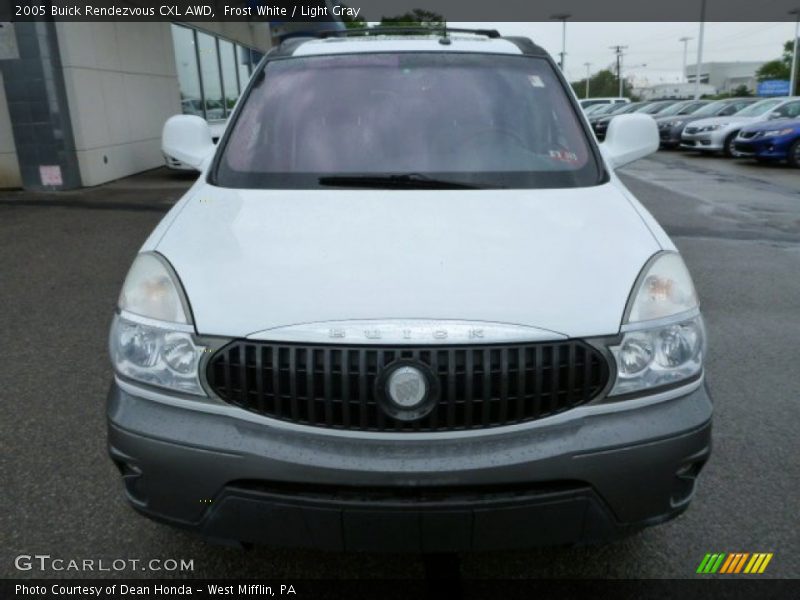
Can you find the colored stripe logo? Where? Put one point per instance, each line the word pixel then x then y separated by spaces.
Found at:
pixel 734 563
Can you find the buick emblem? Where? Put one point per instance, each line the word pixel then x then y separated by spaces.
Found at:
pixel 407 387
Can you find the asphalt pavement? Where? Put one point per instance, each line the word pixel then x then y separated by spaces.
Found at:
pixel 63 258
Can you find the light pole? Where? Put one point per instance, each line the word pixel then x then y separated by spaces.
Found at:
pixel 685 41
pixel 563 18
pixel 700 50
pixel 793 74
pixel 588 74
pixel 618 50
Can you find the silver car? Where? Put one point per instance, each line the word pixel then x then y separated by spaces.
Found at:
pixel 718 134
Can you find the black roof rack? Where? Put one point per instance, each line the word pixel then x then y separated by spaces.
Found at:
pixel 379 30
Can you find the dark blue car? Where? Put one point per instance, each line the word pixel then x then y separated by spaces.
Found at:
pixel 771 141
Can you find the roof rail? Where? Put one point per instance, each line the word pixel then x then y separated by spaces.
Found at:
pixel 379 30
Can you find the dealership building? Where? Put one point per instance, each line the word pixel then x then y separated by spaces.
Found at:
pixel 726 76
pixel 83 103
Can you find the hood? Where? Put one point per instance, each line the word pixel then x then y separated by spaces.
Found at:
pixel 773 124
pixel 562 260
pixel 720 120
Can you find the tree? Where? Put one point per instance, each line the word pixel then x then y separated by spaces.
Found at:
pixel 779 68
pixel 601 85
pixel 415 18
pixel 741 91
pixel 352 22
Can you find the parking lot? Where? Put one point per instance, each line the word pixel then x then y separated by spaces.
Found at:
pixel 63 260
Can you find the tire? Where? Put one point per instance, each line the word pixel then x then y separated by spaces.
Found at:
pixel 793 158
pixel 728 149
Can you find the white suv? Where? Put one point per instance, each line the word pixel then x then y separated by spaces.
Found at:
pixel 409 306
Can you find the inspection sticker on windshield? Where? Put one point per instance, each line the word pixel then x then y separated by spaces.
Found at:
pixel 569 157
pixel 536 81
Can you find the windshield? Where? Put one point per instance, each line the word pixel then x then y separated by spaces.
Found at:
pixel 759 108
pixel 692 108
pixel 652 109
pixel 674 109
pixel 606 109
pixel 711 109
pixel 488 120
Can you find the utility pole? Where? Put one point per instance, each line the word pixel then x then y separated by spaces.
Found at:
pixel 588 74
pixel 700 50
pixel 618 51
pixel 793 75
pixel 685 41
pixel 563 18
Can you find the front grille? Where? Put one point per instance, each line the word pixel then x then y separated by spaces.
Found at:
pixel 334 386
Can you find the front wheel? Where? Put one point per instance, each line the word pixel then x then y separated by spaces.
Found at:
pixel 794 155
pixel 730 141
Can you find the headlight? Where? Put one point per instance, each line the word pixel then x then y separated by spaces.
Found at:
pixel 663 339
pixel 152 337
pixel 156 356
pixel 671 124
pixel 711 127
pixel 151 290
pixel 777 132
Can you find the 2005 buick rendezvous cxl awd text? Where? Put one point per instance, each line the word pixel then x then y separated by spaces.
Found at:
pixel 409 306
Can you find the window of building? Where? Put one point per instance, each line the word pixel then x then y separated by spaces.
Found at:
pixel 230 85
pixel 212 81
pixel 186 67
pixel 212 71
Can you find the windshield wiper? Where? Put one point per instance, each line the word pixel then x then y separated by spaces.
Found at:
pixel 406 180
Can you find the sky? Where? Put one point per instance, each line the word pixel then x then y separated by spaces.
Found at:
pixel 656 45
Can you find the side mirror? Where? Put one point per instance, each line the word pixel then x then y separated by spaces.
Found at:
pixel 773 115
pixel 187 138
pixel 629 138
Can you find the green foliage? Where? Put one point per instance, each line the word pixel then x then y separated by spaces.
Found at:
pixel 415 18
pixel 353 22
pixel 741 92
pixel 774 69
pixel 779 68
pixel 602 84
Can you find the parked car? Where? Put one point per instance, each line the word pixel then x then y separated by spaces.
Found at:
pixel 646 108
pixel 670 130
pixel 216 129
pixel 594 108
pixel 604 109
pixel 771 141
pixel 599 122
pixel 718 134
pixel 587 102
pixel 408 305
pixel 669 118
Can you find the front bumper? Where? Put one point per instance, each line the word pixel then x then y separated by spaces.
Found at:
pixel 709 141
pixel 578 477
pixel 774 148
pixel 670 137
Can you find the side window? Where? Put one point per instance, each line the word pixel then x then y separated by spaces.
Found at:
pixel 790 110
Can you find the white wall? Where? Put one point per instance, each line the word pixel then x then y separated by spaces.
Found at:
pixel 9 167
pixel 121 86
